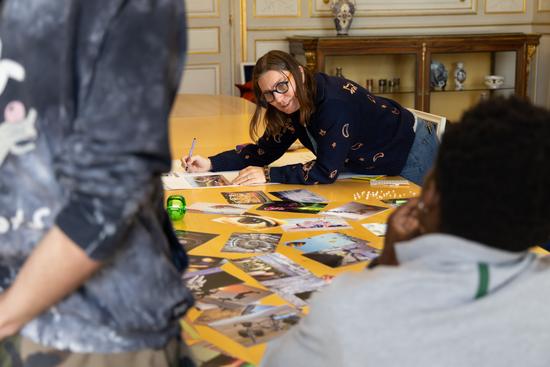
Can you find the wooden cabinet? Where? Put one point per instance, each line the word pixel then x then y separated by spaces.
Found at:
pixel 403 64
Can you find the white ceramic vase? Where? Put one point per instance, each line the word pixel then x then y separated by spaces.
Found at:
pixel 343 11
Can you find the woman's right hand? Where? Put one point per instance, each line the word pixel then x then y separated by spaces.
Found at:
pixel 196 163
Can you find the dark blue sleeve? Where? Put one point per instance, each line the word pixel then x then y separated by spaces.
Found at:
pixel 267 150
pixel 331 126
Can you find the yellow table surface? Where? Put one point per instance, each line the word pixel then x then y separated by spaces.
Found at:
pixel 219 123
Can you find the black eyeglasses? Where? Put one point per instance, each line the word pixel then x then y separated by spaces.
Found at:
pixel 281 88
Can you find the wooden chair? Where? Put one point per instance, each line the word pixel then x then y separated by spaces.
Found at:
pixel 439 121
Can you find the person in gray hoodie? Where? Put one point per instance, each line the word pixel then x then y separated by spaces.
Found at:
pixel 456 284
pixel 89 263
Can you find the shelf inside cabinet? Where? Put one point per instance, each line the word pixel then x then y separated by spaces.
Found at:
pixel 389 91
pixel 472 89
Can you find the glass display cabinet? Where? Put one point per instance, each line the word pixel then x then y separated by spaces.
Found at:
pixel 419 71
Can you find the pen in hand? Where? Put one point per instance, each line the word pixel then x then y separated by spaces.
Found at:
pixel 190 153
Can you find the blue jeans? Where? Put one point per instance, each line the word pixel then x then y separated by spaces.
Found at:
pixel 422 153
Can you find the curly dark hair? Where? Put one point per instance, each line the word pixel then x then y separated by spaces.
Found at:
pixel 493 175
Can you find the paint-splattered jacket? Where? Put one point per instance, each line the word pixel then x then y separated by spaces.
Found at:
pixel 351 129
pixel 86 88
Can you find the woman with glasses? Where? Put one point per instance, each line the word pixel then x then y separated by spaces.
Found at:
pixel 343 124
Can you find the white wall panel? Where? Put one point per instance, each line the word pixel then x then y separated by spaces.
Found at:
pixel 202 8
pixel 278 8
pixel 204 40
pixel 263 46
pixel 544 5
pixel 201 79
pixel 505 6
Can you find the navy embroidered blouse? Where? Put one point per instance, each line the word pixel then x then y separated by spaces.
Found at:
pixel 350 130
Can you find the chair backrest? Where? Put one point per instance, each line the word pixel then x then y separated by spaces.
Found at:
pixel 439 121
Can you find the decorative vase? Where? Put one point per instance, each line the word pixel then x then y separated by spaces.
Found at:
pixel 494 81
pixel 438 75
pixel 343 11
pixel 460 76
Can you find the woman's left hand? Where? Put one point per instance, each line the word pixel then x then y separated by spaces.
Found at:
pixel 250 175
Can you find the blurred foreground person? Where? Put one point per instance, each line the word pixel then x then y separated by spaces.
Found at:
pixel 89 274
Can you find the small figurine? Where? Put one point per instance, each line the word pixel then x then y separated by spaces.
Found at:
pixel 438 75
pixel 460 76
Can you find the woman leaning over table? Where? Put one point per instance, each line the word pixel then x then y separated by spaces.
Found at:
pixel 345 126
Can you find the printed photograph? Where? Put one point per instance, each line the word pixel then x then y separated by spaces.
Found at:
pixel 246 197
pixel 323 242
pixel 259 327
pixel 255 222
pixel 292 288
pixel 314 224
pixel 346 255
pixel 215 208
pixel 354 210
pixel 270 266
pixel 214 314
pixel 207 181
pixel 282 276
pixel 252 242
pixel 378 229
pixel 335 249
pixel 233 296
pixel 190 240
pixel 208 355
pixel 299 195
pixel 202 283
pixel 293 207
pixel 204 262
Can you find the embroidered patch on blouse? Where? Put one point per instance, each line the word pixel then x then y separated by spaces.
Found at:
pixel 260 151
pixel 377 155
pixel 333 173
pixel 384 106
pixel 333 145
pixel 356 146
pixel 322 132
pixel 395 111
pixel 247 156
pixel 371 98
pixel 308 166
pixel 362 159
pixel 350 88
pixel 345 131
pixel 277 138
pixel 289 127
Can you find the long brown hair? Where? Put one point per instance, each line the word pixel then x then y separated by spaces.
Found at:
pixel 273 119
